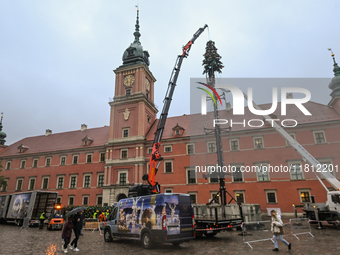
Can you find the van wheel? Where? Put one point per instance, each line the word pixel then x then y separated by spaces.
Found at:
pixel 199 234
pixel 146 241
pixel 176 244
pixel 337 224
pixel 107 236
pixel 210 234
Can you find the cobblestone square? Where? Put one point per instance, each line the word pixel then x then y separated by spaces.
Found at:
pixel 36 241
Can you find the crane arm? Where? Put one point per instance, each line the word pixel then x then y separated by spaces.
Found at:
pixel 156 158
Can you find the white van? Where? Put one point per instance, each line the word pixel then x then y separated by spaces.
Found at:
pixel 158 218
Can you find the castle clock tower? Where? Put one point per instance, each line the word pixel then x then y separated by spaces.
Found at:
pixel 132 114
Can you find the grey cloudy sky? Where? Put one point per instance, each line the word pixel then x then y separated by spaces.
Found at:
pixel 57 57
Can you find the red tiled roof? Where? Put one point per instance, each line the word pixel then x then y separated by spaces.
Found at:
pixel 194 124
pixel 59 141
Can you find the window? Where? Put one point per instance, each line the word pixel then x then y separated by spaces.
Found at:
pixel 258 143
pixel 75 159
pixel 89 158
pixel 177 132
pixel 73 182
pixel 293 136
pixel 99 200
pixel 125 132
pixel 190 149
pixel 60 183
pixel 4 186
pixel 35 163
pixel 19 184
pixel 211 147
pixel 63 160
pixel 8 165
pixel 296 171
pixel 319 137
pixel 262 172
pixel 122 179
pixel 70 200
pixel 213 179
pixel 214 196
pixel 128 92
pixel 239 196
pixel 100 180
pixel 167 148
pixel 304 196
pixel 234 145
pixel 59 199
pixel 124 154
pixel 48 162
pixel 237 174
pixel 102 157
pixel 85 200
pixel 168 190
pixel 193 197
pixel 167 166
pixel 31 184
pixel 23 164
pixel 44 184
pixel 191 176
pixel 271 196
pixel 149 150
pixel 87 181
pixel 149 119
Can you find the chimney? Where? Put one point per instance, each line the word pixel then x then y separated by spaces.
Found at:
pixel 83 127
pixel 289 95
pixel 48 132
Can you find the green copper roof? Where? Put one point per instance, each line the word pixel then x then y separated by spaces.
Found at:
pixel 334 85
pixel 135 54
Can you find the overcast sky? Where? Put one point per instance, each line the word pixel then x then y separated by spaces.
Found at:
pixel 57 57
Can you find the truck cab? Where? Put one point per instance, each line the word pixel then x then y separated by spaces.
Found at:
pixel 158 218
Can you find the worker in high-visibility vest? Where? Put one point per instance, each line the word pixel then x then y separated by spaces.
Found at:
pixel 95 214
pixel 107 213
pixel 42 219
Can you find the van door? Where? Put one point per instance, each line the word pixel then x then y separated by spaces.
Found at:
pixel 185 215
pixel 114 222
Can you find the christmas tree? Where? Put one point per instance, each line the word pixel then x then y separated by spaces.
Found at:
pixel 212 60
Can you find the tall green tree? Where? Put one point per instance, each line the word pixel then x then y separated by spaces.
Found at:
pixel 212 60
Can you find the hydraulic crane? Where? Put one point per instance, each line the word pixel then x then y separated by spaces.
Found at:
pixel 156 158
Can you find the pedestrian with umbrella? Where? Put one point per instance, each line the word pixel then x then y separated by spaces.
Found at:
pixel 77 225
pixel 67 232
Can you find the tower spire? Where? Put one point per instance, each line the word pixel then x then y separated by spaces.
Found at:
pixel 136 33
pixel 336 68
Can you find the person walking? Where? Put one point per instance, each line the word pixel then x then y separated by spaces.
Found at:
pixel 77 225
pixel 277 230
pixel 41 220
pixel 67 233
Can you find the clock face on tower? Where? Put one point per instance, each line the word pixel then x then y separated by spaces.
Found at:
pixel 129 80
pixel 147 84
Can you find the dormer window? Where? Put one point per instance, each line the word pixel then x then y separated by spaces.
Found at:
pixel 22 148
pixel 177 130
pixel 87 141
pixel 130 52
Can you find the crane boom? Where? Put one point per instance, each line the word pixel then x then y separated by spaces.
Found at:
pixel 156 158
pixel 306 156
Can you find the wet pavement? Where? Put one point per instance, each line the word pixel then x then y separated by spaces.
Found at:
pixel 14 240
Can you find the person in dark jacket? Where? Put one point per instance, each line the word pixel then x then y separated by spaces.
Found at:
pixel 77 225
pixel 67 233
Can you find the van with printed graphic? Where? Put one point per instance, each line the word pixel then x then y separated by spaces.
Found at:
pixel 158 218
